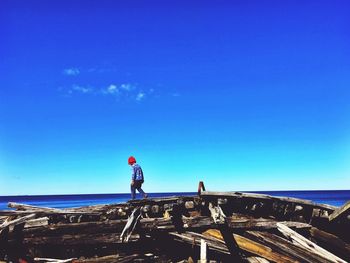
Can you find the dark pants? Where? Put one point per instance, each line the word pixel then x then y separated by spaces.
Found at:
pixel 137 185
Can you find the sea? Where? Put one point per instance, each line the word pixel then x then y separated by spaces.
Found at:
pixel 331 197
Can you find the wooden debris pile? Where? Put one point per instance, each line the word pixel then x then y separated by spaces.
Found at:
pixel 214 226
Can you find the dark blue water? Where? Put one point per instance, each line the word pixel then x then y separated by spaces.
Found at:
pixel 66 201
pixel 336 198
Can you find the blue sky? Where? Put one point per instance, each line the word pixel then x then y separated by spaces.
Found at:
pixel 244 95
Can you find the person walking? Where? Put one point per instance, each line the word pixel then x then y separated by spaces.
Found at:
pixel 137 178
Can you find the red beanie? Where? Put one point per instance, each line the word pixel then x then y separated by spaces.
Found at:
pixel 131 160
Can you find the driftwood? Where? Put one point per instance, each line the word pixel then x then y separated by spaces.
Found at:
pixel 253 247
pixel 340 212
pixel 16 221
pixel 301 241
pixel 285 247
pixel 256 260
pixel 240 195
pixel 226 226
pixel 81 239
pixel 45 212
pixel 54 260
pixel 42 221
pixel 109 259
pixel 332 243
pixel 130 225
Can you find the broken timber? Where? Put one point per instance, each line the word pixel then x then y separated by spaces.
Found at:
pixel 220 226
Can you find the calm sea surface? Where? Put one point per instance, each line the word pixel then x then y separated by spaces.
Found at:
pixel 336 198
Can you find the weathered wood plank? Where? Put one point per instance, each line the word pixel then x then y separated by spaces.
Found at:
pixel 253 247
pixel 150 224
pixel 193 238
pixel 24 207
pixel 241 195
pixel 256 260
pixel 307 244
pixel 16 221
pixel 334 243
pixel 285 247
pixel 42 221
pixel 45 212
pixel 340 212
pixel 79 239
pixel 54 260
pixel 109 259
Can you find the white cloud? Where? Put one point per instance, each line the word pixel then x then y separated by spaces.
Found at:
pixel 126 87
pixel 122 92
pixel 71 71
pixel 140 96
pixel 81 89
pixel 112 89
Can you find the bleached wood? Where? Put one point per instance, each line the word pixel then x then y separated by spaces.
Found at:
pixel 341 211
pixel 298 239
pixel 16 221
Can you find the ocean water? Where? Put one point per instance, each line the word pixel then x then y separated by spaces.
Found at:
pixel 336 198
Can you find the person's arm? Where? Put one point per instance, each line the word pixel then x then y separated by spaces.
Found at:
pixel 133 176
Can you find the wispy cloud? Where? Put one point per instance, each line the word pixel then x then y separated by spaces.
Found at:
pixel 125 91
pixel 111 89
pixel 71 71
pixel 82 89
pixel 121 92
pixel 127 87
pixel 140 96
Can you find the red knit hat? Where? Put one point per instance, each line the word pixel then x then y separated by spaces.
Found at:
pixel 131 160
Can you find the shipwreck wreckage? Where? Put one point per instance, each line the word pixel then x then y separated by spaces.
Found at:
pixel 208 227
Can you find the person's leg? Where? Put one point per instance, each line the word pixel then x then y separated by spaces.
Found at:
pixel 141 191
pixel 133 191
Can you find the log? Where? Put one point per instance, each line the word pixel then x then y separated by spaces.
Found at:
pixel 341 212
pixel 307 244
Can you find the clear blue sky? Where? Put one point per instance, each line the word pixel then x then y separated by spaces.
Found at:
pixel 244 95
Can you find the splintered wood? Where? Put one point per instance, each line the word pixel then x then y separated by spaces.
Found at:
pixel 211 227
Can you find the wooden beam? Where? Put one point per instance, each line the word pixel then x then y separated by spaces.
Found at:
pixel 241 195
pixel 16 221
pixel 285 247
pixel 45 212
pixel 253 247
pixel 342 211
pixel 54 260
pixel 307 244
pixel 78 239
pixel 203 254
pixel 332 242
pixel 256 260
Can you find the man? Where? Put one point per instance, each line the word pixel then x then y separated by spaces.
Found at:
pixel 136 178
